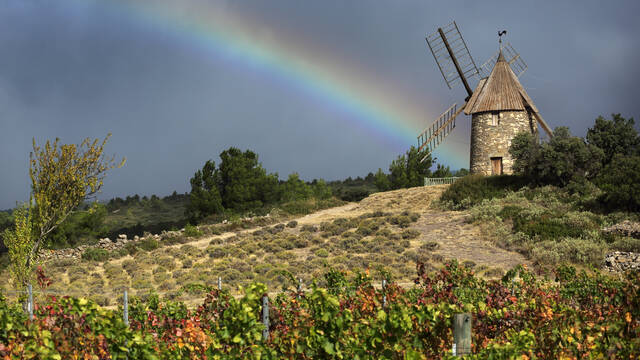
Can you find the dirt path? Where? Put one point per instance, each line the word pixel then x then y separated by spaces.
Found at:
pixel 456 238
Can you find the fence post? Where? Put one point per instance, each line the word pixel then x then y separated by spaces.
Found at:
pixel 125 308
pixel 299 287
pixel 30 301
pixel 125 316
pixel 461 334
pixel 265 316
pixel 384 294
pixel 219 283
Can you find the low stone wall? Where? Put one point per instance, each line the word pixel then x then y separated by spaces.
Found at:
pixel 106 244
pixel 625 228
pixel 622 261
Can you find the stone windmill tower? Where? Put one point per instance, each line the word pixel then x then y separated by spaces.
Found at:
pixel 500 108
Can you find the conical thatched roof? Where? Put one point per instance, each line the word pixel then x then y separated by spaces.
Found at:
pixel 500 91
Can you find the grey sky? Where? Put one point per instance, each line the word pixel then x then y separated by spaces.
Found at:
pixel 74 69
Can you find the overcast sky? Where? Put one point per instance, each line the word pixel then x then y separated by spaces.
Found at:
pixel 172 99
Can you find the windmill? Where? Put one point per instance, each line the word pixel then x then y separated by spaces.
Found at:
pixel 499 106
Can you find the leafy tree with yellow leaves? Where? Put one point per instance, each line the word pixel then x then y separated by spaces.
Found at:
pixel 62 177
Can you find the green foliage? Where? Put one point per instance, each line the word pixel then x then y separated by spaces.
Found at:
pixel 557 162
pixel 244 183
pixel 80 227
pixel 441 172
pixel 471 190
pixel 615 136
pixel 408 171
pixel 95 254
pixel 295 189
pixel 148 244
pixel 20 242
pixel 580 315
pixel 62 177
pixel 620 181
pixel 205 196
pixel 382 181
pixel 192 231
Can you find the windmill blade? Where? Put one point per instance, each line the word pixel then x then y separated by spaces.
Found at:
pixel 510 55
pixel 433 135
pixel 452 55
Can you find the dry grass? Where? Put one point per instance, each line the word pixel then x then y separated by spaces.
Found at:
pixel 386 232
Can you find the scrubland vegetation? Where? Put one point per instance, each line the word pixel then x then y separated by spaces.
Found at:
pixel 552 212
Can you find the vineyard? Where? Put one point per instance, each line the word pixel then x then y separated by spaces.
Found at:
pixel 576 315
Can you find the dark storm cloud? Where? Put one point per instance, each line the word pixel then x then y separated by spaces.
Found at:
pixel 78 69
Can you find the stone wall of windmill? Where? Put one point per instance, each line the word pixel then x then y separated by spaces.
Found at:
pixel 491 135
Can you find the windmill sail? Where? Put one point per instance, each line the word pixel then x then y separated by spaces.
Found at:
pixel 452 55
pixel 433 135
pixel 511 56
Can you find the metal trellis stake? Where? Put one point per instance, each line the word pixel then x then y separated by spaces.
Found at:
pixel 265 317
pixel 384 295
pixel 125 308
pixel 30 301
pixel 219 283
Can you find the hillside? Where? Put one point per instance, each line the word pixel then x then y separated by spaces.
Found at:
pixel 385 233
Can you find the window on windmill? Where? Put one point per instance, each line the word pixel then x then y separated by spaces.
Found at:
pixel 495 118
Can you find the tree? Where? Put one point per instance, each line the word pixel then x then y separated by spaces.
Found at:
pixel 525 151
pixel 408 170
pixel 615 136
pixel 442 172
pixel 20 242
pixel 62 177
pixel 244 182
pixel 295 189
pixel 382 181
pixel 205 196
pixel 620 182
pixel 561 160
pixel 320 189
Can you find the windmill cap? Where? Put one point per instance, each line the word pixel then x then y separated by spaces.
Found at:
pixel 501 91
pixel 501 57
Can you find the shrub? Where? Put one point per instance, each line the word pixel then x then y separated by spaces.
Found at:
pixel 192 231
pixel 131 248
pixel 292 224
pixel 187 263
pixel 95 254
pixel 148 244
pixel 309 228
pixel 402 221
pixel 321 253
pixel 429 246
pixel 410 234
pixel 626 244
pixel 620 182
pixel 471 190
pixel 130 266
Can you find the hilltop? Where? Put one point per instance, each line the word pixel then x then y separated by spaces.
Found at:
pixel 385 233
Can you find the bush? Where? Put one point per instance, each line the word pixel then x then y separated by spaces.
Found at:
pixel 95 254
pixel 309 228
pixel 471 190
pixel 192 231
pixel 321 253
pixel 148 244
pixel 620 182
pixel 292 224
pixel 410 234
pixel 626 244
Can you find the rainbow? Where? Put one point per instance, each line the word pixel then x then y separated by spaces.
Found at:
pixel 240 40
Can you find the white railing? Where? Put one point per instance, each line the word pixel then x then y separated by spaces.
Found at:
pixel 440 181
